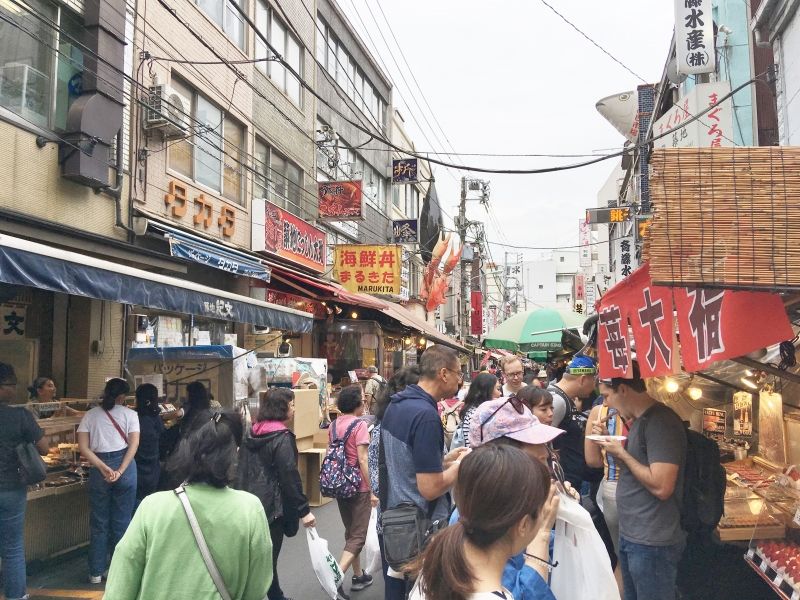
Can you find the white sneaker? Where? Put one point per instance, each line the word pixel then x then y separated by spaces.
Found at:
pixel 95 579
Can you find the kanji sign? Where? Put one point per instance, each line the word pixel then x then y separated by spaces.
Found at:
pixel 13 321
pixel 584 241
pixel 713 130
pixel 368 269
pixel 713 325
pixel 404 170
pixel 607 215
pixel 625 257
pixel 476 314
pixel 292 238
pixel 340 200
pixel 694 36
pixel 405 231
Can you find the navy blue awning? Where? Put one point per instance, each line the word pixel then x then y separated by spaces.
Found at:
pixel 39 266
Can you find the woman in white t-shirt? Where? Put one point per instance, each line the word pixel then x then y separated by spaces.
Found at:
pixel 500 494
pixel 108 437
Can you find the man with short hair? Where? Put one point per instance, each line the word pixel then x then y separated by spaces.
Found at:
pixel 513 372
pixel 372 387
pixel 577 382
pixel 650 489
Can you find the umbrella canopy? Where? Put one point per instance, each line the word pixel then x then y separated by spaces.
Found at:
pixel 517 333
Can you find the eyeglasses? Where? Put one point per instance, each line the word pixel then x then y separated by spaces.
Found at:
pixel 556 471
pixel 459 374
pixel 514 401
pixel 514 375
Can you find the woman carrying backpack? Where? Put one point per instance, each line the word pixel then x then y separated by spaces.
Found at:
pixel 354 509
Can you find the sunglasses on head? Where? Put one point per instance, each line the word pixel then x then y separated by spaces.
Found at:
pixel 556 471
pixel 518 405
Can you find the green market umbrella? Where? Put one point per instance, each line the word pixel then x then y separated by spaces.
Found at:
pixel 534 331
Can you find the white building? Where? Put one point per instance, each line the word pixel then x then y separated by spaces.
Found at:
pixel 548 282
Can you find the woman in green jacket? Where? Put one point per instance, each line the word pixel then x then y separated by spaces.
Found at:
pixel 232 522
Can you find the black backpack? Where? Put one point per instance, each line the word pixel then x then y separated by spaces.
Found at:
pixel 703 485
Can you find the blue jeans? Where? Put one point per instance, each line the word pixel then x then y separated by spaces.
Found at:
pixel 649 572
pixel 12 544
pixel 111 509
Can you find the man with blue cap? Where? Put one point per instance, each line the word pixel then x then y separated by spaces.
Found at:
pixel 578 382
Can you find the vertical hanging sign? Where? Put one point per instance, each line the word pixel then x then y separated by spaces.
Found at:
pixel 694 37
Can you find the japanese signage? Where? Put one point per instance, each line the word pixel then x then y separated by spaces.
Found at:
pixel 694 36
pixel 591 296
pixel 579 287
pixel 340 200
pixel 712 130
pixel 405 231
pixel 607 215
pixel 743 414
pixel 584 241
pixel 292 238
pixel 714 423
pixel 625 257
pixel 476 314
pixel 709 323
pixel 368 269
pixel 177 203
pixel 12 322
pixel 206 255
pixel 404 170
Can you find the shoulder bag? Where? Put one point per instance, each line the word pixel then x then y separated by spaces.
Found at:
pixel 32 468
pixel 180 492
pixel 117 427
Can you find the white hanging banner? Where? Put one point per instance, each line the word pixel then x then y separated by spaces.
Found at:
pixel 694 37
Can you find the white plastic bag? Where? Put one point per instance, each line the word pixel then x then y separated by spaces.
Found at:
pixel 325 566
pixel 372 549
pixel 584 568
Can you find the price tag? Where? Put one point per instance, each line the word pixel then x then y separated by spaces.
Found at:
pixel 796 519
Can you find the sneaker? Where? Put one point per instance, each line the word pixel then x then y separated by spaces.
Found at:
pixel 95 579
pixel 359 583
pixel 340 594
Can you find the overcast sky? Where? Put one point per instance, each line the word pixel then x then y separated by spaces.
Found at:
pixel 512 77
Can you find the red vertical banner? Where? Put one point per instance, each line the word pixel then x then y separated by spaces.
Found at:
pixel 613 345
pixel 718 324
pixel 476 316
pixel 652 323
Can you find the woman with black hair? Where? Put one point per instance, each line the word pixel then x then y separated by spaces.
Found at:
pixel 231 522
pixel 483 388
pixel 268 469
pixel 108 437
pixel 148 468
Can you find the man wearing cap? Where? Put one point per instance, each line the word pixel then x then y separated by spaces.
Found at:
pixel 649 490
pixel 577 382
pixel 508 421
pixel 372 387
pixel 513 372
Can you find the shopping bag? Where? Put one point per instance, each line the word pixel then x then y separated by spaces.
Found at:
pixel 372 549
pixel 584 568
pixel 325 566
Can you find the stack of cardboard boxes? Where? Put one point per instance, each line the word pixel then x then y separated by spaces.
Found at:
pixel 312 443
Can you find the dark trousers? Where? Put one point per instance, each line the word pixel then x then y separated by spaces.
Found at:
pixel 276 533
pixel 394 589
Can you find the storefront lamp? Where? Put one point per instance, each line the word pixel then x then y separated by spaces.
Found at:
pixel 354 315
pixel 671 386
pixel 695 393
pixel 422 341
pixel 409 340
pixel 749 381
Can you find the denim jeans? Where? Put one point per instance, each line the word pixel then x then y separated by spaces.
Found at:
pixel 111 509
pixel 12 545
pixel 649 572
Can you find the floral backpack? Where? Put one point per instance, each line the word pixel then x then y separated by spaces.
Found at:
pixel 337 477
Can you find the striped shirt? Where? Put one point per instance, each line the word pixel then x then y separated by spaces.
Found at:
pixel 616 426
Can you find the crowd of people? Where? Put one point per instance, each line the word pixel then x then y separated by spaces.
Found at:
pixel 479 510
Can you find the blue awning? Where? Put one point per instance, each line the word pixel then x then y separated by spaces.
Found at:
pixel 35 265
pixel 206 252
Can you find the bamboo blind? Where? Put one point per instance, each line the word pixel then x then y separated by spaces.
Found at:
pixel 726 217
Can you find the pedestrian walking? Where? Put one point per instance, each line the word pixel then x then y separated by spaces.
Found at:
pixel 513 373
pixel 649 490
pixel 374 384
pixel 268 469
pixel 17 426
pixel 502 497
pixel 108 437
pixel 485 387
pixel 230 522
pixel 151 427
pixel 354 510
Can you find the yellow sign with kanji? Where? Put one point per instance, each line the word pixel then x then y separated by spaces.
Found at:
pixel 618 215
pixel 368 269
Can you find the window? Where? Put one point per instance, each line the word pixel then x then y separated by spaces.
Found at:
pixel 225 14
pixel 37 83
pixel 286 45
pixel 541 287
pixel 285 177
pixel 260 186
pixel 560 259
pixel 200 157
pixel 321 48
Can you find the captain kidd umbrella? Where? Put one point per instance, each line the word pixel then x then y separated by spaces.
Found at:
pixel 537 330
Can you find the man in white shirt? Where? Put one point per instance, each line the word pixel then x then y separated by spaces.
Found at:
pixel 372 387
pixel 513 372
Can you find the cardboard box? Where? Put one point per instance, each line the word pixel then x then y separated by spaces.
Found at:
pixel 313 458
pixel 306 414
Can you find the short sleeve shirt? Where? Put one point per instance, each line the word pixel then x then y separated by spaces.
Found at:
pixel 17 426
pixel 359 437
pixel 373 385
pixel 658 436
pixel 103 436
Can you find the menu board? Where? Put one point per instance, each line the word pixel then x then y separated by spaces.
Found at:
pixel 714 423
pixel 743 414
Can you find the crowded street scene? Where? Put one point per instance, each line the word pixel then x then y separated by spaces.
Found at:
pixel 382 300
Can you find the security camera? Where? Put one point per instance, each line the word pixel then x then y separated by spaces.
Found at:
pixel 725 29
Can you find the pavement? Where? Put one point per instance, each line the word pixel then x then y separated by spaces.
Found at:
pixel 65 578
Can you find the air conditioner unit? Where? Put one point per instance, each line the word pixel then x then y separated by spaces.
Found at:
pixel 168 111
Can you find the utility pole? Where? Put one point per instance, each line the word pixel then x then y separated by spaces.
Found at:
pixel 463 314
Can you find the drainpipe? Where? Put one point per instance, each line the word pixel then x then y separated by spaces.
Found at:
pixel 116 191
